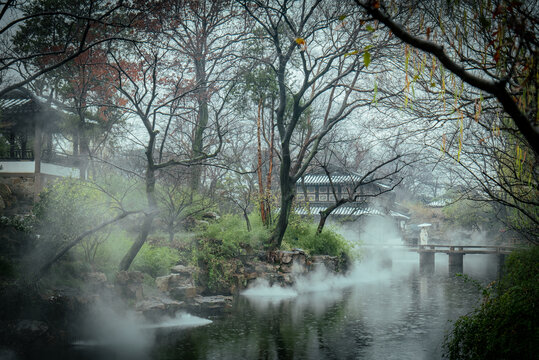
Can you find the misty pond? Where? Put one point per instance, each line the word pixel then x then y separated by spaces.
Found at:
pixel 375 312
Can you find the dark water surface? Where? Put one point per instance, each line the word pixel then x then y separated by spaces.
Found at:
pixel 394 313
pixel 376 312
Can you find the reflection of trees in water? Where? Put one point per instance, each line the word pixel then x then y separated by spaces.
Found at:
pixel 400 314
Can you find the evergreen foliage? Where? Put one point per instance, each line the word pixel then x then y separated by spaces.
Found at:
pixel 505 325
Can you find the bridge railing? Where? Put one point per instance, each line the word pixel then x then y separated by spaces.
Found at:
pixel 470 249
pixel 443 248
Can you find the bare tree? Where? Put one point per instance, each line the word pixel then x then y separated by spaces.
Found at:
pixel 150 95
pixel 311 73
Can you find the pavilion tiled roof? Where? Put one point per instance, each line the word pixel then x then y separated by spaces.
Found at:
pixel 19 101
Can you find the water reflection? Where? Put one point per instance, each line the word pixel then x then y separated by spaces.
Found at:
pixel 375 313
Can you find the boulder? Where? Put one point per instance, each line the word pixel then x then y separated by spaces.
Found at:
pixel 183 292
pixel 183 270
pixel 96 281
pixel 30 329
pixel 156 308
pixel 331 263
pixel 211 215
pixel 165 283
pixel 162 282
pixel 129 284
pixel 210 305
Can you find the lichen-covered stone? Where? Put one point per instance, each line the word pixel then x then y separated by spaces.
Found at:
pixel 183 292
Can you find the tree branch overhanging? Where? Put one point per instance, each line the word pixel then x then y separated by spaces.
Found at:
pixel 497 88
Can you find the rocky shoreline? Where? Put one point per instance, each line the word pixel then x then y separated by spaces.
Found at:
pixel 33 318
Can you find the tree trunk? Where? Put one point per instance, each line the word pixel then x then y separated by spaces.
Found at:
pixel 137 245
pixel 247 221
pixel 270 171
pixel 325 214
pixel 322 222
pixel 149 217
pixel 84 153
pixel 287 197
pixel 202 121
pixel 261 192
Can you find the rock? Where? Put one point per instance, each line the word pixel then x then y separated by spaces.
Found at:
pixel 183 270
pixel 165 283
pixel 285 268
pixel 129 284
pixel 162 282
pixel 210 305
pixel 96 280
pixel 30 329
pixel 286 257
pixel 202 223
pixel 211 215
pixel 7 198
pixel 331 263
pixel 156 308
pixel 183 292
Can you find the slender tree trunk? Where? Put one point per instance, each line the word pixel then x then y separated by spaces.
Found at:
pixel 325 214
pixel 287 197
pixel 270 171
pixel 247 221
pixel 202 121
pixel 261 193
pixel 149 217
pixel 84 150
pixel 137 245
pixel 322 222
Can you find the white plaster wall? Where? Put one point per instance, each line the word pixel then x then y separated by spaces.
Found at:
pixel 23 167
pixel 27 167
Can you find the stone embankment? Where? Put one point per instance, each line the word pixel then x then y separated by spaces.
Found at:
pixel 180 291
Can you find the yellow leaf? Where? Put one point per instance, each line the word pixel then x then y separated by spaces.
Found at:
pixel 300 41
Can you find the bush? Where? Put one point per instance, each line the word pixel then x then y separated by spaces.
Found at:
pixel 219 246
pixel 155 260
pixel 505 325
pixel 231 229
pixel 301 233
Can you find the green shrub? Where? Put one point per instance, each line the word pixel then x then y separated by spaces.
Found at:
pixel 219 246
pixel 301 233
pixel 231 229
pixel 506 324
pixel 155 260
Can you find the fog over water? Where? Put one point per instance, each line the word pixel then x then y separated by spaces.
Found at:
pixel 374 312
pixel 383 308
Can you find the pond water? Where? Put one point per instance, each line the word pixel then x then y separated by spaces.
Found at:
pixel 374 313
pixel 381 310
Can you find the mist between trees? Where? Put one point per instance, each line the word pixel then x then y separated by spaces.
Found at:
pixel 176 109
